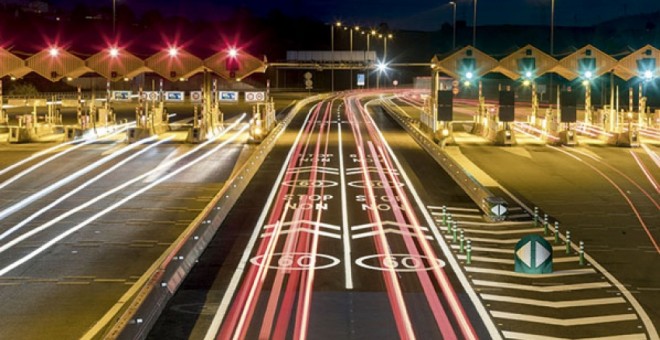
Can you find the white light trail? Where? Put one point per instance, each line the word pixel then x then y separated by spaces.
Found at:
pixel 64 181
pixel 103 212
pixel 80 187
pixel 58 155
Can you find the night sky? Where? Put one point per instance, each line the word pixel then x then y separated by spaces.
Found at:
pixel 400 14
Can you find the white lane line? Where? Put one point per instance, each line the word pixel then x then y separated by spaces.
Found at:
pixel 505 241
pixel 571 272
pixel 497 232
pixel 306 222
pixel 243 264
pixel 486 259
pixel 304 230
pixel 390 223
pixel 543 289
pixel 114 206
pixel 526 336
pixel 348 268
pixel 388 231
pixel 494 224
pixel 554 304
pixel 460 215
pixel 591 320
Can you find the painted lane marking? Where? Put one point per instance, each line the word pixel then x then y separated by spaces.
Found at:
pixel 544 289
pixel 525 336
pixel 475 210
pixel 348 268
pixel 385 231
pixel 312 223
pixel 498 241
pixel 399 262
pixel 497 250
pixel 497 232
pixel 317 169
pixel 460 215
pixel 390 223
pixel 554 304
pixel 571 272
pixel 591 320
pixel 495 224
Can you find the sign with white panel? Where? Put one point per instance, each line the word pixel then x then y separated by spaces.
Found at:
pixel 196 96
pixel 253 96
pixel 228 96
pixel 121 95
pixel 174 96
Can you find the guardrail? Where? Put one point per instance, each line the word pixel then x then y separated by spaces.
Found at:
pixel 138 309
pixel 483 197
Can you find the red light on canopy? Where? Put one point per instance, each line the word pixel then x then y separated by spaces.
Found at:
pixel 173 51
pixel 233 52
pixel 113 51
pixel 53 51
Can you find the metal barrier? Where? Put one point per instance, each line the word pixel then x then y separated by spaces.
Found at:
pixel 138 309
pixel 483 197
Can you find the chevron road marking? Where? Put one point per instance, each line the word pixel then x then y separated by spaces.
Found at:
pixel 431 207
pixel 497 250
pixel 565 322
pixel 507 241
pixel 509 261
pixel 544 289
pixel 510 273
pixel 497 232
pixel 319 169
pixel 496 224
pixel 459 215
pixel 390 223
pixel 311 223
pixel 525 336
pixel 554 304
pixel 388 231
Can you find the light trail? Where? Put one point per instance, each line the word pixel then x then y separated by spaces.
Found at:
pixel 652 154
pixel 64 181
pixel 36 155
pixel 110 192
pixel 114 206
pixel 348 272
pixel 79 188
pixel 390 277
pixel 58 155
pixel 246 294
pixel 485 316
pixel 449 293
pixel 621 192
pixel 646 171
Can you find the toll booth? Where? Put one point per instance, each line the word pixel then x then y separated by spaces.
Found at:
pixel 91 120
pixel 263 120
pixel 209 120
pixel 30 129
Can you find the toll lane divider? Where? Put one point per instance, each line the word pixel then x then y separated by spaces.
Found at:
pixel 477 191
pixel 135 313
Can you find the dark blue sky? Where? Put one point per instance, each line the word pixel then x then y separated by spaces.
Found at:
pixel 402 14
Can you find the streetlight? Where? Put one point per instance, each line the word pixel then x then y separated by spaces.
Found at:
pixel 332 54
pixel 552 28
pixel 114 16
pixel 453 25
pixel 389 36
pixel 474 25
pixel 357 29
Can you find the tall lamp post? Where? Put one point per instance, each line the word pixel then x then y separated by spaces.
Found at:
pixel 332 54
pixel 474 25
pixel 453 26
pixel 114 16
pixel 357 29
pixel 552 28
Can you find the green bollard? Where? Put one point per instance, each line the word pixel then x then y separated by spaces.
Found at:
pixel 469 252
pixel 568 242
pixel 454 230
pixel 581 253
pixel 536 216
pixel 448 220
pixel 462 238
pixel 545 224
pixel 444 214
pixel 556 232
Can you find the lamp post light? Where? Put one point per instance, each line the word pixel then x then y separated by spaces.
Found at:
pixel 114 16
pixel 332 54
pixel 474 25
pixel 357 29
pixel 385 38
pixel 453 25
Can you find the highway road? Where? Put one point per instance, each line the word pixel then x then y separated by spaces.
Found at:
pixel 81 222
pixel 312 250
